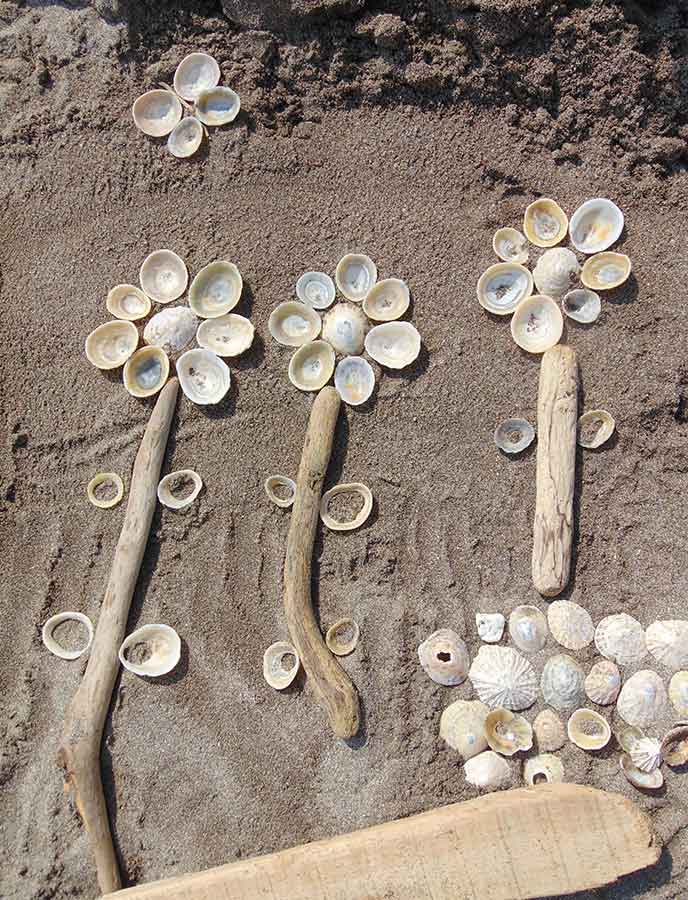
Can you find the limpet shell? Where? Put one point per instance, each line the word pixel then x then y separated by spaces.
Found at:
pixel 528 629
pixel 562 682
pixel 124 301
pixel 342 637
pixel 668 642
pixel 510 245
pixel 228 335
pixel 355 275
pixel 203 376
pixel 596 225
pixel 588 729
pixel 503 286
pixel 110 345
pixel 196 73
pixel 165 489
pixel 110 478
pixel 155 113
pixel 216 289
pixel 556 272
pixel 354 487
pixel 275 672
pixel 462 726
pixel 514 435
pixel 507 732
pixel 444 657
pixel 678 693
pixel 628 736
pixel 649 781
pixel 605 271
pixel 643 699
pixel 490 626
pixel 502 677
pixel 545 223
pixel 603 682
pixel 54 645
pixel 543 769
pixel 537 324
pixel 621 638
pixel 488 771
pixel 582 305
pixel 387 300
pixel 273 481
pixel 345 327
pixel 393 344
pixel 646 755
pixel 163 276
pixel 172 329
pixel 293 324
pixel 185 138
pixel 674 746
pixel 570 624
pixel 354 380
pixel 316 289
pixel 146 372
pixel 311 367
pixel 217 106
pixel 595 427
pixel 163 645
pixel 549 731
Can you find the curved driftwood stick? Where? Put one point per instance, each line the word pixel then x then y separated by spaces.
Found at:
pixel 79 753
pixel 332 686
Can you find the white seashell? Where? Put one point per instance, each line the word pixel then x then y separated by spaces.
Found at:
pixel 172 329
pixel 543 769
pixel 582 305
pixel 503 286
pixel 556 271
pixel 162 646
pixel 311 367
pixel 545 223
pixel 280 665
pixel 646 755
pixel 490 626
pixel 170 485
pixel 514 435
pixel 273 481
pixel 549 731
pixel 316 289
pixel 355 275
pixel 595 427
pixel 510 245
pixel 293 324
pixel 124 301
pixel 537 324
pixel 646 780
pixel 462 726
pixel 228 335
pixel 643 699
pixel 361 516
pixel 502 677
pixel 55 646
pixel 217 106
pixel 163 276
pixel 216 289
pixel 674 746
pixel 605 271
pixel 678 693
pixel 185 138
pixel 111 490
pixel 444 657
pixel 110 345
pixel 203 376
pixel 156 112
pixel 146 372
pixel 562 682
pixel 488 771
pixel 668 642
pixel 621 638
pixel 588 730
pixel 528 629
pixel 345 327
pixel 342 637
pixel 354 379
pixel 387 300
pixel 197 72
pixel 628 737
pixel 393 344
pixel 570 624
pixel 603 682
pixel 596 225
pixel 507 732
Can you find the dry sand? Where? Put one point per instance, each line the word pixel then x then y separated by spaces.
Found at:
pixel 412 139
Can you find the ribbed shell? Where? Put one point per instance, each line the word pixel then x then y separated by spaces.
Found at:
pixel 603 682
pixel 570 624
pixel 549 731
pixel 668 642
pixel 562 682
pixel 678 693
pixel 621 638
pixel 642 699
pixel 502 677
pixel 647 754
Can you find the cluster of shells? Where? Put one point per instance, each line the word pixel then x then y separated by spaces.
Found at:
pixel 196 90
pixel 367 319
pixel 490 730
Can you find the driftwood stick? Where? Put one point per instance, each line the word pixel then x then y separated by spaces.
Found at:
pixel 556 469
pixel 332 686
pixel 79 753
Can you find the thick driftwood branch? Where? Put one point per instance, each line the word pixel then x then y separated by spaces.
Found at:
pixel 332 686
pixel 556 470
pixel 79 753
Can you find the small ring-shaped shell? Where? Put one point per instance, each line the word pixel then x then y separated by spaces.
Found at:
pixel 272 481
pixel 604 431
pixel 354 488
pixel 336 643
pixel 273 671
pixel 54 646
pixel 99 479
pixel 167 498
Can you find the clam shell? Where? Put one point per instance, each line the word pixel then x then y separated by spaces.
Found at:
pixel 588 730
pixel 603 682
pixel 543 769
pixel 217 106
pixel 621 638
pixel 228 335
pixel 643 699
pixel 674 746
pixel 596 225
pixel 355 275
pixel 311 367
pixel 293 324
pixel 502 677
pixel 556 272
pixel 196 73
pixel 645 780
pixel 342 637
pixel 155 113
pixel 354 380
pixel 514 435
pixel 462 726
pixel 570 624
pixel 562 682
pixel 545 223
pixel 146 372
pixel 163 276
pixel 272 481
pixel 172 329
pixel 387 300
pixel 549 731
pixel 444 657
pixel 537 324
pixel 124 301
pixel 216 289
pixel 163 645
pixel 510 245
pixel 595 427
pixel 361 516
pixel 628 736
pixel 605 271
pixel 646 755
pixel 54 645
pixel 114 481
pixel 503 286
pixel 528 629
pixel 344 327
pixel 490 626
pixel 278 669
pixel 185 138
pixel 316 289
pixel 393 344
pixel 110 345
pixel 668 642
pixel 678 693
pixel 488 771
pixel 507 732
pixel 167 485
pixel 582 305
pixel 203 376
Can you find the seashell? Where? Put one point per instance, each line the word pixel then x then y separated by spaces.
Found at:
pixel 596 225
pixel 354 379
pixel 273 481
pixel 674 746
pixel 556 271
pixel 124 301
pixel 155 113
pixel 355 275
pixel 582 305
pixel 570 624
pixel 510 245
pixel 172 329
pixel 196 73
pixel 646 755
pixel 105 490
pixel 462 726
pixel 643 699
pixel 185 138
pixel 293 324
pixel 393 344
pixel 490 626
pixel 311 367
pixel 537 324
pixel 562 682
pixel 316 289
pixel 444 657
pixel 621 638
pixel 543 769
pixel 216 289
pixel 171 485
pixel 203 376
pixel 628 736
pixel 528 629
pixel 603 682
pixel 217 106
pixel 488 771
pixel 228 335
pixel 280 664
pixel 549 731
pixel 514 435
pixel 605 271
pixel 545 223
pixel 146 372
pixel 387 300
pixel 163 276
pixel 361 516
pixel 151 650
pixel 649 781
pixel 502 677
pixel 503 286
pixel 588 729
pixel 507 732
pixel 344 327
pixel 678 693
pixel 110 345
pixel 53 644
pixel 342 637
pixel 668 642
pixel 595 427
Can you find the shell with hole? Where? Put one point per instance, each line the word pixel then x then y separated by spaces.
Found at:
pixel 514 435
pixel 490 626
pixel 146 372
pixel 345 327
pixel 228 335
pixel 387 300
pixel 203 376
pixel 556 272
pixel 217 106
pixel 311 367
pixel 595 427
pixel 293 324
pixel 163 276
pixel 151 650
pixel 185 138
pixel 105 490
pixel 393 344
pixel 596 225
pixel 54 645
pixel 549 731
pixel 605 271
pixel 603 682
pixel 488 771
pixel 283 481
pixel 543 769
pixel 280 665
pixel 528 628
pixel 646 755
pixel 110 345
pixel 316 289
pixel 678 693
pixel 582 305
pixel 643 699
pixel 507 732
pixel 647 781
pixel 503 286
pixel 502 677
pixel 170 484
pixel 342 637
pixel 361 516
pixel 562 682
pixel 621 638
pixel 667 641
pixel 462 726
pixel 545 223
pixel 570 624
pixel 124 301
pixel 355 275
pixel 444 657
pixel 172 329
pixel 510 245
pixel 354 380
pixel 674 746
pixel 537 324
pixel 216 289
pixel 155 113
pixel 197 72
pixel 588 730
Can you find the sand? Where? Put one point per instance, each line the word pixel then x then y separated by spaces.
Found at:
pixel 410 137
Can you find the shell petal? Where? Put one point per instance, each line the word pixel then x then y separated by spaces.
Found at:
pixel 55 646
pixel 162 644
pixel 361 517
pixel 165 489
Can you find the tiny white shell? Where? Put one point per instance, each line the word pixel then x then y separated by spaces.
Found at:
pixel 596 225
pixel 545 223
pixel 646 755
pixel 643 699
pixel 197 72
pixel 361 516
pixel 274 671
pixel 185 138
pixel 502 677
pixel 155 113
pixel 342 637
pixel 562 682
pixel 588 730
pixel 163 276
pixel 109 478
pixel 167 485
pixel 549 731
pixel 110 345
pixel 514 435
pixel 316 289
pixel 216 289
pixel 595 427
pixel 668 642
pixel 490 626
pixel 678 693
pixel 146 372
pixel 510 245
pixel 355 275
pixel 311 367
pixel 651 781
pixel 488 771
pixel 228 335
pixel 292 324
pixel 203 376
pixel 462 726
pixel 582 305
pixel 503 286
pixel 507 732
pixel 393 344
pixel 603 682
pixel 444 657
pixel 556 272
pixel 54 645
pixel 570 624
pixel 354 380
pixel 217 106
pixel 543 769
pixel 162 643
pixel 273 481
pixel 621 638
pixel 124 301
pixel 345 327
pixel 537 324
pixel 387 300
pixel 528 629
pixel 605 271
pixel 172 329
